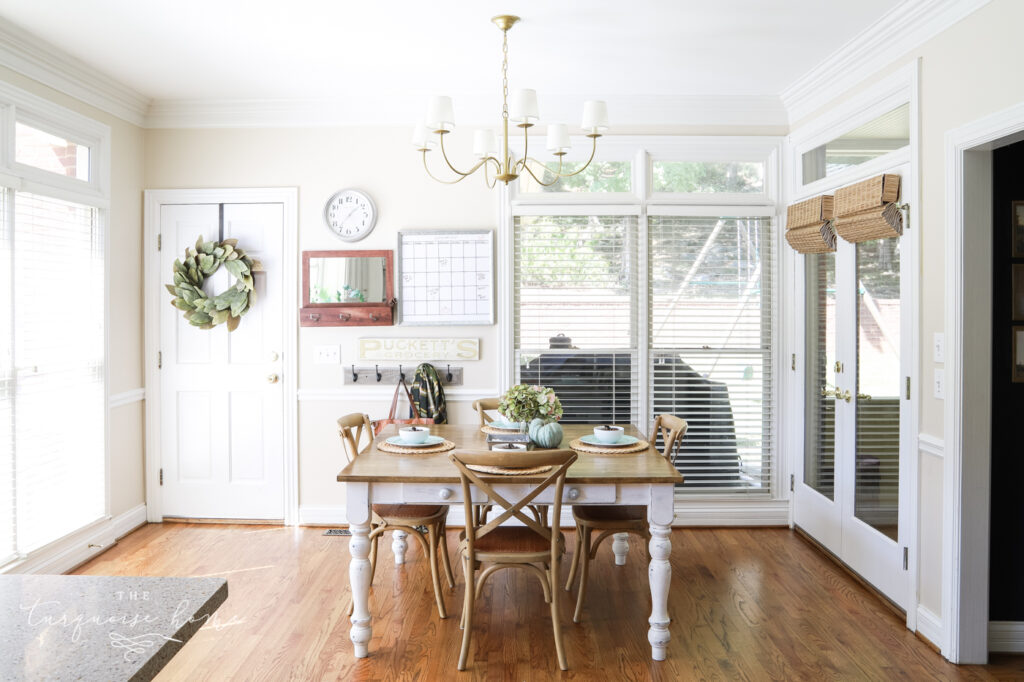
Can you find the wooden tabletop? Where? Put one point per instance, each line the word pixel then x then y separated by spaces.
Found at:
pixel 374 466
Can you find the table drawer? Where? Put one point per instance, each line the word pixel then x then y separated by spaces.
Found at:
pixel 436 493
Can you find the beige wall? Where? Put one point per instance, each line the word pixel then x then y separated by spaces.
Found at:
pixel 320 161
pixel 125 359
pixel 967 72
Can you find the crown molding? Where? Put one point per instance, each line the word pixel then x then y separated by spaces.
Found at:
pixel 904 28
pixel 45 63
pixel 402 109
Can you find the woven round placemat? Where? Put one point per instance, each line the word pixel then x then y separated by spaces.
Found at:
pixel 580 446
pixel 387 447
pixel 496 430
pixel 505 471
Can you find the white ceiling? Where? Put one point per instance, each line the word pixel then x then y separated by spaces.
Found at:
pixel 350 51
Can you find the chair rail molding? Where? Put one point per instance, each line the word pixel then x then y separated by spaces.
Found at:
pixel 135 395
pixel 931 445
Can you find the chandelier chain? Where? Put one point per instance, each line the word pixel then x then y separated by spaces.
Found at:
pixel 504 76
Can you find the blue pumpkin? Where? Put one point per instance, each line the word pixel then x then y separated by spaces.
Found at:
pixel 545 434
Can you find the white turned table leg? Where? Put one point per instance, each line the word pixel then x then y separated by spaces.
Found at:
pixel 398 546
pixel 620 548
pixel 359 567
pixel 660 515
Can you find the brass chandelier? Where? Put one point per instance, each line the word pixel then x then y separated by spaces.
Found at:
pixel 523 112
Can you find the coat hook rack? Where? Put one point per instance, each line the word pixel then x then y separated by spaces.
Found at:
pixel 450 375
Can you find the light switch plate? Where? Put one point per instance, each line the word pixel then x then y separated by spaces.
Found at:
pixel 939 384
pixel 327 355
pixel 939 347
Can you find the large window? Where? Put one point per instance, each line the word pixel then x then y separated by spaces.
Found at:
pixel 52 330
pixel 630 311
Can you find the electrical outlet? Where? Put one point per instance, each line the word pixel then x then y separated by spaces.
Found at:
pixel 328 355
pixel 939 382
pixel 939 347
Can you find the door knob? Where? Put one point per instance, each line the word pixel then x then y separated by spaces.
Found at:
pixel 272 378
pixel 274 357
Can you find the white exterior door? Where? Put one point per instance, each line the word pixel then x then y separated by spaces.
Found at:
pixel 852 488
pixel 221 396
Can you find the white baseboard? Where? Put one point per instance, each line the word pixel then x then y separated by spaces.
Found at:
pixel 78 547
pixel 929 626
pixel 1006 637
pixel 706 513
pixel 322 516
pixel 732 513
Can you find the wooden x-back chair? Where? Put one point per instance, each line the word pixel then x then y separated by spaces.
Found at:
pixel 612 519
pixel 482 406
pixel 404 517
pixel 490 547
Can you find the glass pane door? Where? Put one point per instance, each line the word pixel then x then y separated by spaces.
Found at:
pixel 820 408
pixel 876 494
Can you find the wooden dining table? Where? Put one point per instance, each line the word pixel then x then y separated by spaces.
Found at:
pixel 642 478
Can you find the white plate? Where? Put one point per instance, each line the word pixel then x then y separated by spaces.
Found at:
pixel 622 442
pixel 400 442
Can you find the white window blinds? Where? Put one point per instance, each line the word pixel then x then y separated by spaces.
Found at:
pixel 52 394
pixel 575 296
pixel 710 299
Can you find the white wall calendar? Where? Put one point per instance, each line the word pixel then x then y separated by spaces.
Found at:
pixel 446 277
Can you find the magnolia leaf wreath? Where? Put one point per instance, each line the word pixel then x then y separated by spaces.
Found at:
pixel 199 263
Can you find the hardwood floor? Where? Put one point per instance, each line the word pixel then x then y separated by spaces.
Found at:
pixel 746 604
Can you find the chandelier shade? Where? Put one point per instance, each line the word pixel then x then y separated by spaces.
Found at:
pixel 493 154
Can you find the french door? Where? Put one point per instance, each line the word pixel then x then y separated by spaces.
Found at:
pixel 849 493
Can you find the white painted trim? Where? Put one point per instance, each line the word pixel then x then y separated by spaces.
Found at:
pixel 153 293
pixel 135 395
pixel 929 625
pixel 80 546
pixel 708 513
pixel 43 62
pixel 392 109
pixel 1006 637
pixel 384 393
pixel 882 97
pixel 901 30
pixel 731 513
pixel 966 469
pixel 931 445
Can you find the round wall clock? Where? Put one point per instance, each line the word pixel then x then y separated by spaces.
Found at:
pixel 350 215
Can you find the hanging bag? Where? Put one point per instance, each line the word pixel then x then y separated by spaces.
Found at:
pixel 400 388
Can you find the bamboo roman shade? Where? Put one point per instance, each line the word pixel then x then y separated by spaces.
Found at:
pixel 809 225
pixel 868 210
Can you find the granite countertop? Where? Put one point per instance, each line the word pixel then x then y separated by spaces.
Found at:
pixel 79 627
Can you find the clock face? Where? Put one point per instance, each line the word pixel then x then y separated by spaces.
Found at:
pixel 350 215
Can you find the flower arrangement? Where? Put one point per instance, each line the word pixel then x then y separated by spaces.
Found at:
pixel 523 403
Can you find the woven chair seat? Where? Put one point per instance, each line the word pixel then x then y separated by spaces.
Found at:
pixel 407 511
pixel 599 513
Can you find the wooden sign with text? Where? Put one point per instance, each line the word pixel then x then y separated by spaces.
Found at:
pixel 415 349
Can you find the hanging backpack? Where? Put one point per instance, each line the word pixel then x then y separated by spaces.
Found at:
pixel 428 395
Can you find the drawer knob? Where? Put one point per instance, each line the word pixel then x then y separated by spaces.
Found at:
pixel 445 494
pixel 573 494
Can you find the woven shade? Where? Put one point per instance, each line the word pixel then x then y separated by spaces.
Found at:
pixel 809 225
pixel 867 210
pixel 876 223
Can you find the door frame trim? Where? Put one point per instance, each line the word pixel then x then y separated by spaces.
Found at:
pixel 967 410
pixel 902 85
pixel 153 290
